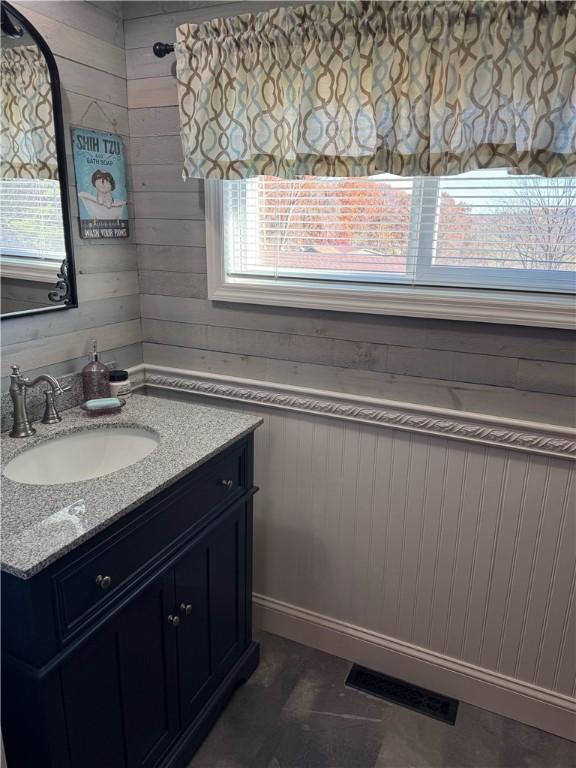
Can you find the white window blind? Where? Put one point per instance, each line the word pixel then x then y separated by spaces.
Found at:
pixel 481 230
pixel 31 220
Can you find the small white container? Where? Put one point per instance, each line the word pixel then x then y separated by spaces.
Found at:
pixel 120 385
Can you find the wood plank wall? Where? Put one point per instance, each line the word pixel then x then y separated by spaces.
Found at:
pixel 463 550
pixel 88 42
pixel 394 357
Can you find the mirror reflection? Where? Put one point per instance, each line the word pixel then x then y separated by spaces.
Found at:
pixel 33 243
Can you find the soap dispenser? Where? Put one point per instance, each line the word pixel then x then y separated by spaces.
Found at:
pixel 95 377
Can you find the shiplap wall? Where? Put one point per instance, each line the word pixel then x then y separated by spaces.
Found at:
pixel 19 295
pixel 88 42
pixel 180 327
pixel 463 550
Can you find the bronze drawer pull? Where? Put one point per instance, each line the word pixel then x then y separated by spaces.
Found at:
pixel 228 484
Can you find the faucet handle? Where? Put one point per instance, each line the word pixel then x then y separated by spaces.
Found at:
pixel 17 377
pixel 51 415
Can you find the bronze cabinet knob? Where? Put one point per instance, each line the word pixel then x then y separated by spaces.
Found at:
pixel 103 581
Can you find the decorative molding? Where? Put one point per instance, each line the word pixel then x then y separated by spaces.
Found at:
pixel 531 437
pixel 137 376
pixel 528 703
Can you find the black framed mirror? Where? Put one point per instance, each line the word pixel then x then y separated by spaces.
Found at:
pixel 37 271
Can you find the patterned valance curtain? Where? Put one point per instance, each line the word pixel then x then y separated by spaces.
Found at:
pixel 351 89
pixel 27 136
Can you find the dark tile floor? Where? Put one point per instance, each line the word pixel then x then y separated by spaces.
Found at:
pixel 295 712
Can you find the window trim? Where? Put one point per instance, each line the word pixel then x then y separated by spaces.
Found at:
pixel 473 305
pixel 32 269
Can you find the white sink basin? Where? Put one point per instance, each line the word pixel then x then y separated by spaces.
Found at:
pixel 81 456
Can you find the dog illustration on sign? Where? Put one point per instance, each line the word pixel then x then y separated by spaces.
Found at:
pixel 101 205
pixel 101 188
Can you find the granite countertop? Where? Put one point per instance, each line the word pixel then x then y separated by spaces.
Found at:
pixel 42 523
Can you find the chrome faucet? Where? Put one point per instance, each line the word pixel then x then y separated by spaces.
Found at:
pixel 19 386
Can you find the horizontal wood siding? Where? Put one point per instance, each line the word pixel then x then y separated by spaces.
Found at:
pixel 84 47
pixel 464 550
pixel 88 41
pixel 461 549
pixel 170 232
pixel 67 345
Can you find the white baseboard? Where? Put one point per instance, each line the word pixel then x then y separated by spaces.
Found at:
pixel 538 707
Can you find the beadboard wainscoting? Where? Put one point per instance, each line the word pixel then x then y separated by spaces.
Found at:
pixel 87 39
pixel 436 558
pixel 395 526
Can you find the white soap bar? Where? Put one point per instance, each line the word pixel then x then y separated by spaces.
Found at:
pixel 102 402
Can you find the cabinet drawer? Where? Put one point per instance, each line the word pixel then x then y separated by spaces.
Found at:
pixel 90 583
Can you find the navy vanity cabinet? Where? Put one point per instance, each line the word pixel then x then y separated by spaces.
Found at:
pixel 139 675
pixel 210 582
pixel 122 557
pixel 119 687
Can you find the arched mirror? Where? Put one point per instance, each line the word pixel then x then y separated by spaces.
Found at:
pixel 36 259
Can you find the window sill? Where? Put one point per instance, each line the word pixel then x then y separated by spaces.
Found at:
pixel 481 306
pixel 546 310
pixel 36 271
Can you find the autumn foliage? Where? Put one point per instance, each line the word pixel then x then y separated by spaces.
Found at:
pixel 363 225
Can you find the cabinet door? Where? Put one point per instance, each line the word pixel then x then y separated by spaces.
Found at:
pixel 120 687
pixel 211 581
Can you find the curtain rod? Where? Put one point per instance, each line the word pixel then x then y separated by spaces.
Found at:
pixel 162 49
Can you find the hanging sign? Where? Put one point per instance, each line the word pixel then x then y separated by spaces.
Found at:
pixel 100 184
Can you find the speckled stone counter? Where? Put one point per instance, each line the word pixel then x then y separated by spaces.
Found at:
pixel 42 523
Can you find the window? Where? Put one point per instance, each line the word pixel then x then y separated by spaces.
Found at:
pixel 485 245
pixel 32 242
